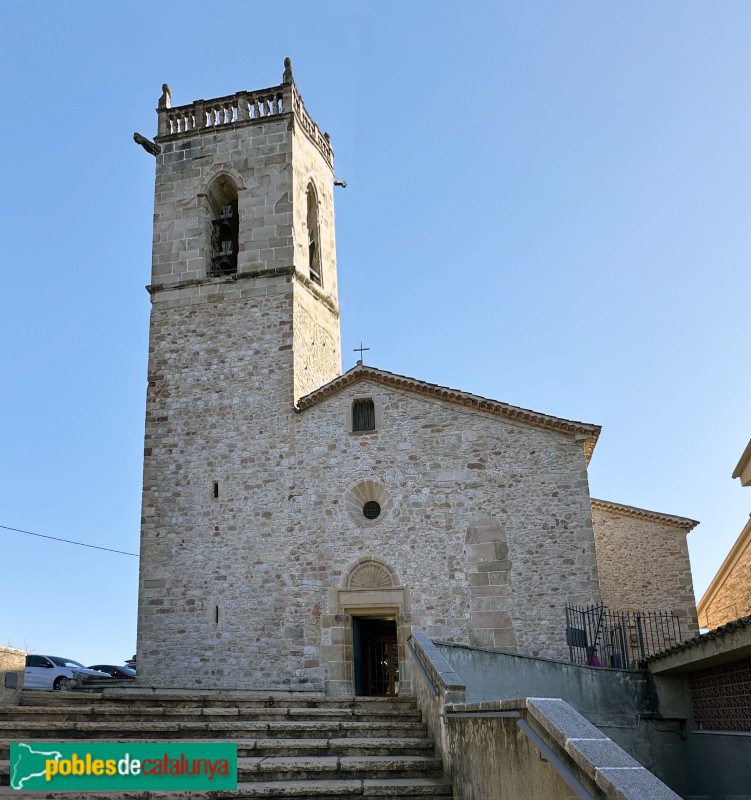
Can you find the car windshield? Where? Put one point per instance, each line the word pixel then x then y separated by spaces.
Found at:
pixel 128 671
pixel 66 662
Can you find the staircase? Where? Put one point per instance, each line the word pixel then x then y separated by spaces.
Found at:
pixel 287 746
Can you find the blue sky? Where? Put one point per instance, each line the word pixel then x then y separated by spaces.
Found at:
pixel 547 204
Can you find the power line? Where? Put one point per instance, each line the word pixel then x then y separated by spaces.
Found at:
pixel 68 541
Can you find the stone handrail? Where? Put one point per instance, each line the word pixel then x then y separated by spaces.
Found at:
pixel 575 759
pixel 242 107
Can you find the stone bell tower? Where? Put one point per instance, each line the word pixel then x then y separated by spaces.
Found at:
pixel 244 321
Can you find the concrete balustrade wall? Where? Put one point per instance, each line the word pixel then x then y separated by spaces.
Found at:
pixel 518 747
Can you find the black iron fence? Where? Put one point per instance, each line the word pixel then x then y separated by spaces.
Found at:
pixel 599 636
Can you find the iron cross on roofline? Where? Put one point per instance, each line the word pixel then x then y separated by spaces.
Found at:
pixel 360 350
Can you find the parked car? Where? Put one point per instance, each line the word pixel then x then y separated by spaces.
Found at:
pixel 53 672
pixel 128 673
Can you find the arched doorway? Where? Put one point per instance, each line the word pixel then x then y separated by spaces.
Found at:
pixel 373 612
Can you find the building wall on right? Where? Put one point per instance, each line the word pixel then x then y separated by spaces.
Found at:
pixel 643 561
pixel 729 595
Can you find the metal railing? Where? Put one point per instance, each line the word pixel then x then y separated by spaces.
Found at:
pixel 599 636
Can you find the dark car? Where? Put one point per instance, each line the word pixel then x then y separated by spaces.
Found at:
pixel 128 673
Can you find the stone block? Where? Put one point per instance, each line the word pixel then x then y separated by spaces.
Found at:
pixel 494 566
pixel 504 639
pixel 599 753
pixel 490 619
pixel 481 552
pixel 561 720
pixel 624 784
pixel 481 638
pixel 490 531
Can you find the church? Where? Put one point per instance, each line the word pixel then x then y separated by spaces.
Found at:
pixel 298 523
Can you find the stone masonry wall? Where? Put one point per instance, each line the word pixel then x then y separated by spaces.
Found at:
pixel 258 158
pixel 216 604
pixel 317 342
pixel 309 166
pixel 644 565
pixel 219 409
pixel 282 534
pixel 249 524
pixel 12 665
pixel 487 522
pixel 733 599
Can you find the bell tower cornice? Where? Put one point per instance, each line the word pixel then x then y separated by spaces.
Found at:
pixel 244 108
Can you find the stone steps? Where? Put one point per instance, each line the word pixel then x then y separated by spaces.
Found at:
pixel 303 729
pixel 414 788
pixel 288 747
pixel 136 698
pixel 318 767
pixel 104 713
pixel 247 748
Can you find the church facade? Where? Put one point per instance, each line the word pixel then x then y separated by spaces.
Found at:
pixel 298 523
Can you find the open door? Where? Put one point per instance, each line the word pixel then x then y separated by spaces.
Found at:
pixel 376 656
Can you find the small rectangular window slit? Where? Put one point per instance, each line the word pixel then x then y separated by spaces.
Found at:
pixel 216 488
pixel 216 615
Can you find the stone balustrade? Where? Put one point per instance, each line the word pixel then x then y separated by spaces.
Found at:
pixel 321 140
pixel 242 107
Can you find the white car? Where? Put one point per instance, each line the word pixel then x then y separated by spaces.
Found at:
pixel 53 672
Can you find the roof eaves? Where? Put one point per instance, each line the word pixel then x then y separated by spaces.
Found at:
pixel 717 633
pixel 524 415
pixel 644 514
pixel 742 465
pixel 736 551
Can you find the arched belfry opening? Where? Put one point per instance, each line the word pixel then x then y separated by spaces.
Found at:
pixel 225 226
pixel 314 237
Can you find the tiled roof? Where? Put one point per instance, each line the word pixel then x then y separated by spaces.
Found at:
pixel 717 633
